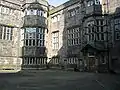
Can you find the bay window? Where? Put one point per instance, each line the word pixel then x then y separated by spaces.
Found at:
pixel 34 37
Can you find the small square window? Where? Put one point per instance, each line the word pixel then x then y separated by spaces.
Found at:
pixel 117 35
pixel 91 54
pixel 116 27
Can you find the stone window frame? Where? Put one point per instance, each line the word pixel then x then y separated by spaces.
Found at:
pixel 55 60
pixel 72 12
pixel 72 38
pixel 117 35
pixel 55 40
pixel 89 31
pixel 117 21
pixel 55 18
pixel 34 12
pixel 35 39
pixel 6 33
pixel 90 3
pixel 72 60
pixel 97 2
pixel 116 29
pixel 99 30
pixel 91 54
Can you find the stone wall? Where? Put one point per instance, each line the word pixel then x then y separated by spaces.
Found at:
pixel 9 50
pixel 61 26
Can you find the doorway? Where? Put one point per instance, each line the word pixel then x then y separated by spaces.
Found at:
pixel 91 64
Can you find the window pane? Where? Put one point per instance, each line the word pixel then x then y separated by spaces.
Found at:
pixel 33 42
pixel 55 39
pixel 4 37
pixel 41 36
pixel 26 42
pixel 102 36
pixel 117 27
pixel 117 35
pixel 30 30
pixel 101 29
pixel 41 30
pixel 1 31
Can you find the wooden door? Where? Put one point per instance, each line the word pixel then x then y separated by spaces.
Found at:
pixel 92 64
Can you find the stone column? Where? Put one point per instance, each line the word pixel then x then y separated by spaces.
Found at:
pixel 28 61
pixel 32 61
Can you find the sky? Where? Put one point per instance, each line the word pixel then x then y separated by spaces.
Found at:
pixel 57 2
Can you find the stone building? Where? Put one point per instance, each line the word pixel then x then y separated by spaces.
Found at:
pixel 64 33
pixel 10 22
pixel 114 25
pixel 34 28
pixel 79 34
pixel 115 50
pixel 23 34
pixel 109 6
pixel 94 37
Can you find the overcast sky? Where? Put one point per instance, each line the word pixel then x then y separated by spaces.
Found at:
pixel 57 2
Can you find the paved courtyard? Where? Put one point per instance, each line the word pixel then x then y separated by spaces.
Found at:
pixel 58 80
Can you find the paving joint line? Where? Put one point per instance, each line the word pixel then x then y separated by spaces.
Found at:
pixel 101 84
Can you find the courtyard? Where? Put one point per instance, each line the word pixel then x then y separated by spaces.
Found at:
pixel 58 80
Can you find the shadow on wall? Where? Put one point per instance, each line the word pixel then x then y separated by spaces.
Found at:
pixel 69 54
pixel 115 50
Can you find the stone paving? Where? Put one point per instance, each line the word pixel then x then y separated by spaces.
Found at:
pixel 58 80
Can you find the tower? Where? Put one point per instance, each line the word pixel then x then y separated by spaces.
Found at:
pixel 93 7
pixel 34 50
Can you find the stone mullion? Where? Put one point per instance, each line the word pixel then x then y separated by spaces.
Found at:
pixel 32 61
pixel 28 61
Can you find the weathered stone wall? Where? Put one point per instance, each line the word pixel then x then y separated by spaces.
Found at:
pixel 43 2
pixel 111 6
pixel 61 26
pixel 52 27
pixel 9 50
pixel 38 21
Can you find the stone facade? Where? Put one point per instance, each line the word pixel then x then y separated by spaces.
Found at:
pixel 110 5
pixel 74 16
pixel 115 50
pixel 77 34
pixel 88 41
pixel 60 22
pixel 35 30
pixel 10 22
